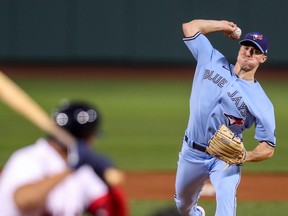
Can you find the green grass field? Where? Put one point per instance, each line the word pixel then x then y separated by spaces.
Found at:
pixel 148 208
pixel 144 121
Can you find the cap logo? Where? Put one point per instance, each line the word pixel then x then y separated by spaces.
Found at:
pixel 257 37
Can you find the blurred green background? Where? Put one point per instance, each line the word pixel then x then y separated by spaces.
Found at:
pixel 144 121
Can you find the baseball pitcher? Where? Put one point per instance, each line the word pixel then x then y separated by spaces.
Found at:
pixel 225 100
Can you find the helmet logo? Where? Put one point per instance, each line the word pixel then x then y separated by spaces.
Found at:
pixel 82 117
pixel 92 115
pixel 61 119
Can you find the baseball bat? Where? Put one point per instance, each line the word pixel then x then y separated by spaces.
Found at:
pixel 18 100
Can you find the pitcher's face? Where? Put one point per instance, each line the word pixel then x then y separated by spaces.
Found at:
pixel 250 57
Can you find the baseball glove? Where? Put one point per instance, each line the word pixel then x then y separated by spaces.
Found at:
pixel 227 147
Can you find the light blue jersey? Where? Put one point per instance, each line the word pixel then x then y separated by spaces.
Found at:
pixel 218 97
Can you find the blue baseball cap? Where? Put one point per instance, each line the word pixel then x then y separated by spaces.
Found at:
pixel 258 39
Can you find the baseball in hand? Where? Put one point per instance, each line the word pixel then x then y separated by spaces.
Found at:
pixel 236 34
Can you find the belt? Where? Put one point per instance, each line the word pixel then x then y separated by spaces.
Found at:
pixel 195 145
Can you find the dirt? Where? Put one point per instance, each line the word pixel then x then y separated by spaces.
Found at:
pixel 160 186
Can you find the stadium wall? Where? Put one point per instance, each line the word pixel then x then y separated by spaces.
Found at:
pixel 128 31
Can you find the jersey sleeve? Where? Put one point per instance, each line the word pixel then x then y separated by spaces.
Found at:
pixel 95 191
pixel 265 127
pixel 22 170
pixel 200 47
pixel 263 111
